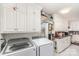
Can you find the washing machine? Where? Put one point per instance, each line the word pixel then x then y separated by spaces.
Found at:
pixel 19 47
pixel 44 46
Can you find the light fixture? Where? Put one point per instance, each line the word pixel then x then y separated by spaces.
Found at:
pixel 65 10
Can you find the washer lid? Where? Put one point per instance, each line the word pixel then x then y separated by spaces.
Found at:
pixel 17 44
pixel 41 41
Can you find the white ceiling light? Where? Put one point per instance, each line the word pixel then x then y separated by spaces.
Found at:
pixel 65 10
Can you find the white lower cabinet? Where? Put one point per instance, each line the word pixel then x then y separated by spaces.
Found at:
pixel 19 18
pixel 62 44
pixel 75 38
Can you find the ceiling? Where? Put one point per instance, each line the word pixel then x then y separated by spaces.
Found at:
pixel 54 8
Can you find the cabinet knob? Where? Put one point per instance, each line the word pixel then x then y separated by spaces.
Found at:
pixel 14 8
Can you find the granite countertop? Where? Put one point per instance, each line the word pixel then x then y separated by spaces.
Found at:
pixel 62 37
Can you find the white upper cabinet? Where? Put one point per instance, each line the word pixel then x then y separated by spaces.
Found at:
pixel 37 20
pixel 9 18
pixel 74 25
pixel 30 18
pixel 34 16
pixel 21 13
pixel 20 18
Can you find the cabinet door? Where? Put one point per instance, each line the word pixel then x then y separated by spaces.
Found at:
pixel 9 17
pixel 60 45
pixel 31 19
pixel 34 16
pixel 22 21
pixel 37 20
pixel 74 25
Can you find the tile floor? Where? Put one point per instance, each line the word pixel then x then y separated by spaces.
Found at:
pixel 73 50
